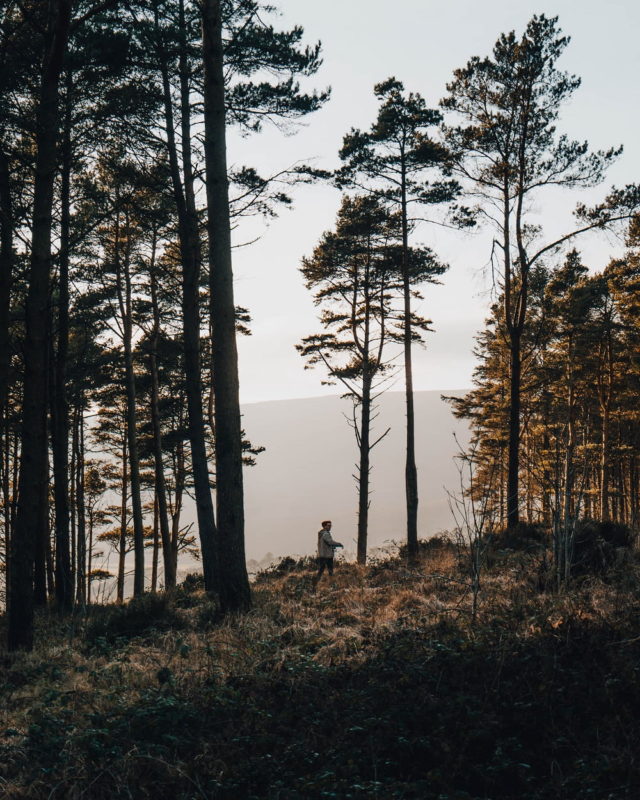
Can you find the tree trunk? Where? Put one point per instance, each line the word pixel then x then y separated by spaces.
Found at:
pixel 51 580
pixel 411 471
pixel 122 549
pixel 513 506
pixel 190 253
pixel 59 405
pixel 6 267
pixel 73 507
pixel 604 465
pixel 5 443
pixel 6 271
pixel 235 594
pixel 15 463
pixel 502 515
pixel 363 470
pixel 633 492
pixel 526 458
pixel 179 477
pixel 567 522
pixel 123 274
pixel 20 595
pixel 160 487
pixel 156 546
pixel 42 534
pixel 81 548
pixel 90 556
pixel 623 502
pixel 11 483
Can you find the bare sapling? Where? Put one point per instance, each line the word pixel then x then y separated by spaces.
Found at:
pixel 475 514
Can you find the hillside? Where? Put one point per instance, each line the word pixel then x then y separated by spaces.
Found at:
pixel 378 685
pixel 305 473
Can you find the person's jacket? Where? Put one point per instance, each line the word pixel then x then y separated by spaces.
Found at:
pixel 326 544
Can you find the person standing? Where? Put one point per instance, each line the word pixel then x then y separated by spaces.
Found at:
pixel 327 546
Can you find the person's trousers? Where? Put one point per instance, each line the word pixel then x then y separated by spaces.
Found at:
pixel 324 563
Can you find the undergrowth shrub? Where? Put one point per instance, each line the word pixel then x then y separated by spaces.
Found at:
pixel 193 582
pixel 438 543
pixel 528 536
pixel 377 685
pixel 208 615
pixel 141 615
pixel 189 593
pixel 284 566
pixel 599 546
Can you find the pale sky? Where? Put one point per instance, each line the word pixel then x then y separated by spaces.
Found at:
pixel 421 42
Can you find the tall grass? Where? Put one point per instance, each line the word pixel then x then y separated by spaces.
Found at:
pixel 377 684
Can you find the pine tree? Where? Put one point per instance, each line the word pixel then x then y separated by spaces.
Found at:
pixel 354 274
pixel 233 581
pixel 20 599
pixel 506 147
pixel 393 160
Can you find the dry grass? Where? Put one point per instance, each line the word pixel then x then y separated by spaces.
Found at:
pixel 59 705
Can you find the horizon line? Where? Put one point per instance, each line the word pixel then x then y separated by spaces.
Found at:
pixel 339 396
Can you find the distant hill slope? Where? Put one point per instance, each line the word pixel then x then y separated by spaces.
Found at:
pixel 305 474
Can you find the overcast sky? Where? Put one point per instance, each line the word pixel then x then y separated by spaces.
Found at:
pixel 420 42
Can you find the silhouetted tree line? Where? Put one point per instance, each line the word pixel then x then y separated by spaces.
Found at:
pixel 117 317
pixel 117 320
pixel 487 164
pixel 580 423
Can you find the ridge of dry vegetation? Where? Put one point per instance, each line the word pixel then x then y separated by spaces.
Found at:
pixel 377 685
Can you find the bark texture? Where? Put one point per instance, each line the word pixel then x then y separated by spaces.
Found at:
pixel 20 595
pixel 234 588
pixel 190 252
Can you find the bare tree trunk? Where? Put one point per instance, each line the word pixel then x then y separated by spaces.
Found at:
pixel 364 469
pixel 122 550
pixel 73 506
pixel 604 464
pixel 123 275
pixel 5 442
pixel 59 405
pixel 15 462
pixel 81 549
pixel 515 377
pixel 156 546
pixel 10 490
pixel 90 557
pixel 501 478
pixel 235 594
pixel 633 492
pixel 6 272
pixel 190 252
pixel 546 472
pixel 623 502
pixel 411 471
pixel 42 534
pixel 567 526
pixel 20 595
pixel 180 477
pixel 161 493
pixel 51 580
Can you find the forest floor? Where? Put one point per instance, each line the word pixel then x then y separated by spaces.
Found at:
pixel 380 684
